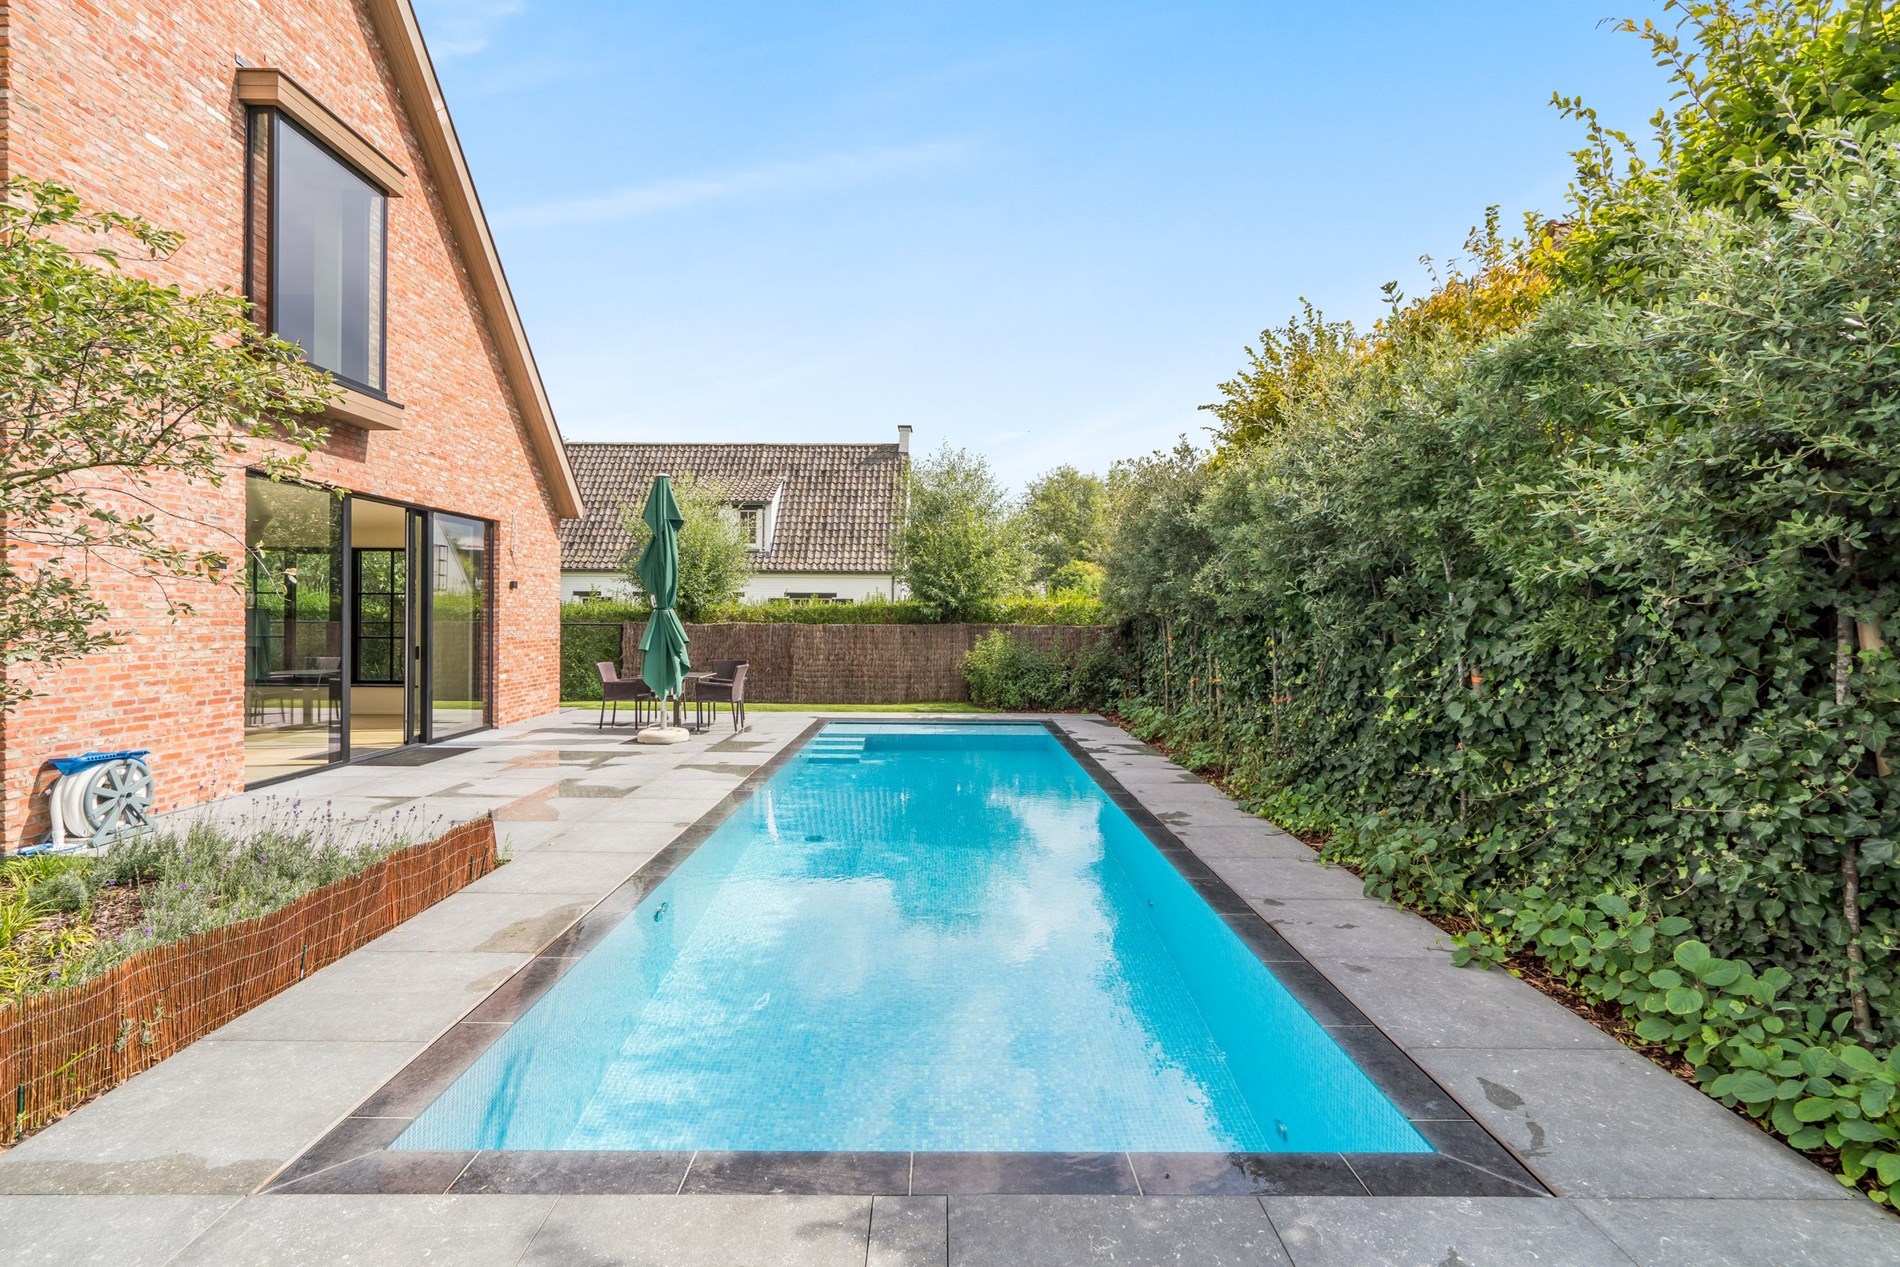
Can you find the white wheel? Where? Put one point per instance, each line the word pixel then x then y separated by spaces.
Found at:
pixel 117 797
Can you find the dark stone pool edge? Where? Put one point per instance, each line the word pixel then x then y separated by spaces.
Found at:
pixel 355 1158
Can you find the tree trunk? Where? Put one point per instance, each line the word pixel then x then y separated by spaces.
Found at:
pixel 1850 850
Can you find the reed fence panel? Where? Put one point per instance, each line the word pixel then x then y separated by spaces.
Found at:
pixel 62 1048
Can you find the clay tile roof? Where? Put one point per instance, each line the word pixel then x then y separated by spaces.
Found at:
pixel 836 513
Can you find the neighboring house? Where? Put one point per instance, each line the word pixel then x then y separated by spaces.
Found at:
pixel 821 516
pixel 304 148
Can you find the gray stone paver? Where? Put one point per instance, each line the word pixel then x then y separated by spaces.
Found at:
pixel 130 1231
pixel 1736 1233
pixel 1430 1003
pixel 1439 1232
pixel 369 1231
pixel 488 923
pixel 1343 928
pixel 1006 1231
pixel 909 1232
pixel 378 996
pixel 1611 1124
pixel 542 871
pixel 218 1117
pixel 703 1231
pixel 579 810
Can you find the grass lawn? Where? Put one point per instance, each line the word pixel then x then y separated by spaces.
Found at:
pixel 948 706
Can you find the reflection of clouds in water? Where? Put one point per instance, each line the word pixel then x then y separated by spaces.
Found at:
pixel 956 950
pixel 1052 896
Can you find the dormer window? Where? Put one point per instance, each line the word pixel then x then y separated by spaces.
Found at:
pixel 752 523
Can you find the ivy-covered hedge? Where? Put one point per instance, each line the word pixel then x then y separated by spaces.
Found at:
pixel 583 645
pixel 1559 604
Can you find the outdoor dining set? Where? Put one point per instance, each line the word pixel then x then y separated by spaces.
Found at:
pixel 705 690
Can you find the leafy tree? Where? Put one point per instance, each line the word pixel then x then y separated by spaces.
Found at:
pixel 112 385
pixel 1157 549
pixel 1292 362
pixel 959 547
pixel 715 553
pixel 1558 606
pixel 1064 517
pixel 1756 80
pixel 1079 579
pixel 1757 76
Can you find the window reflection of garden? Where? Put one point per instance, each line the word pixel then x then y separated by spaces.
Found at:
pixel 293 629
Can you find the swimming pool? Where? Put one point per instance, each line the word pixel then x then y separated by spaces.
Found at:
pixel 920 938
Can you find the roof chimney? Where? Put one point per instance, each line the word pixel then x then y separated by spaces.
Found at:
pixel 903 439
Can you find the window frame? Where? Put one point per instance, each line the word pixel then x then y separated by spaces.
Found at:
pixel 273 117
pixel 752 518
pixel 397 637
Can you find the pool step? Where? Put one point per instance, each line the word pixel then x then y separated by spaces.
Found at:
pixel 836 748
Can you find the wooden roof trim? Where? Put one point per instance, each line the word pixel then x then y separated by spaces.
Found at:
pixel 408 61
pixel 267 86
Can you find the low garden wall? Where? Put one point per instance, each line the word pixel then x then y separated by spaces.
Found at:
pixel 61 1048
pixel 851 664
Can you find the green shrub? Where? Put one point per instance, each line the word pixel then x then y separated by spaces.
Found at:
pixel 960 549
pixel 1098 676
pixel 1010 672
pixel 1556 603
pixel 602 611
pixel 1076 579
pixel 583 646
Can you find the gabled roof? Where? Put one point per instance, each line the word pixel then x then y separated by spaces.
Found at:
pixel 836 512
pixel 408 61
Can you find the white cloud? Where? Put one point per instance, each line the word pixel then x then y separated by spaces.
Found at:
pixel 666 195
pixel 457 28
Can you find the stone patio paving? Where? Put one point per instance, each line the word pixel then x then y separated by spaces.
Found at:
pixel 163 1169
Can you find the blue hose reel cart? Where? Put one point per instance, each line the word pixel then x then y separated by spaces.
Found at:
pixel 97 796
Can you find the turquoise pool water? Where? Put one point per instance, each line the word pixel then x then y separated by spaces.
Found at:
pixel 940 938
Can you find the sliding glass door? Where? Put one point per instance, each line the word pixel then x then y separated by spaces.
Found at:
pixel 367 627
pixel 458 650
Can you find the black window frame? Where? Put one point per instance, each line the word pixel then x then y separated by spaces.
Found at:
pixel 397 636
pixel 273 118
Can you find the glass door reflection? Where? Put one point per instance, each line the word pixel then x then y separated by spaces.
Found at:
pixel 293 621
pixel 457 647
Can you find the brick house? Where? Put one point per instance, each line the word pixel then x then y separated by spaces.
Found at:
pixel 822 517
pixel 304 148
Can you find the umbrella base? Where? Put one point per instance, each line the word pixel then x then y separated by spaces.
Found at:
pixel 662 734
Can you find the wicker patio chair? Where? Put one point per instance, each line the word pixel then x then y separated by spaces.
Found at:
pixel 725 686
pixel 617 690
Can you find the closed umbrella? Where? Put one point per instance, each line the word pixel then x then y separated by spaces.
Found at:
pixel 663 661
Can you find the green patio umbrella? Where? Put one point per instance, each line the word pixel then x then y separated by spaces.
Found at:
pixel 663 645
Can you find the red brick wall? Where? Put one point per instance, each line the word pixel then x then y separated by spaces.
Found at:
pixel 132 104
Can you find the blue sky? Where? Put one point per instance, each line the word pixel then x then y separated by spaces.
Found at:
pixel 1044 231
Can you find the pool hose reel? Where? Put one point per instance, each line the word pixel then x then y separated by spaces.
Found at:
pixel 98 795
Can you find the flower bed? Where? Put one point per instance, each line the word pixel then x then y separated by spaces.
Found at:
pixel 60 1048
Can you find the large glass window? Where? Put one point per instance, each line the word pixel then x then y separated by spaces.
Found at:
pixel 292 629
pixel 318 249
pixel 458 624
